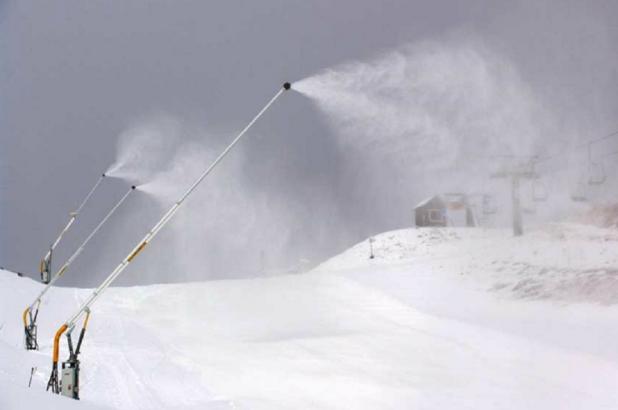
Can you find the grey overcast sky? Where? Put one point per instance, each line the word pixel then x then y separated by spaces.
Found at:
pixel 75 74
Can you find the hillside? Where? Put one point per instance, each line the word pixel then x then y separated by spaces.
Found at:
pixel 440 318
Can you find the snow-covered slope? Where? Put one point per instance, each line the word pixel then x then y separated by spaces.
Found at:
pixel 557 284
pixel 449 318
pixel 558 261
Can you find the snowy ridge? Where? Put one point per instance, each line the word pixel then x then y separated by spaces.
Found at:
pixel 423 325
pixel 565 262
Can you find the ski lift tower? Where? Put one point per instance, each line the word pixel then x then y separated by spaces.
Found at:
pixel 516 173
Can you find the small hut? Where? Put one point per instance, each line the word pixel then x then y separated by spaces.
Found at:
pixel 431 212
pixel 444 210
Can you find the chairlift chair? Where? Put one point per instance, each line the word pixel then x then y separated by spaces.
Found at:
pixel 488 207
pixel 529 207
pixel 578 195
pixel 539 192
pixel 597 174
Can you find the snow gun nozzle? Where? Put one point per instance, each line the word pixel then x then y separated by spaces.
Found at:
pixel 103 175
pixel 287 86
pixel 133 187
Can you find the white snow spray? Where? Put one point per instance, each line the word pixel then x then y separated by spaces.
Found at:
pixel 227 228
pixel 430 103
pixel 427 118
pixel 145 149
pixel 417 121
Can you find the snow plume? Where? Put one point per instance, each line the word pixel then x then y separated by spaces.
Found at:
pixel 434 102
pixel 145 148
pixel 225 228
pixel 427 118
pixel 230 226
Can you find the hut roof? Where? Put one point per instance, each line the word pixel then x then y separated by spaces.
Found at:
pixel 433 198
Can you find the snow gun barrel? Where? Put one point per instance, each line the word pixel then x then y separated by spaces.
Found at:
pixel 45 267
pixel 85 307
pixel 30 314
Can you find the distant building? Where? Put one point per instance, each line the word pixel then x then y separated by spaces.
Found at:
pixel 444 210
pixel 431 212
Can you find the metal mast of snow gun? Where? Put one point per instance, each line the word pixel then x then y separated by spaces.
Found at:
pixel 70 371
pixel 45 267
pixel 31 313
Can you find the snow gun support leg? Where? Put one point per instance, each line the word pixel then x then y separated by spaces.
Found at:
pixel 53 383
pixel 30 329
pixel 69 382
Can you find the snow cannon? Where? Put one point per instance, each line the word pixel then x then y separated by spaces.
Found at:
pixel 70 368
pixel 31 313
pixel 68 385
pixel 30 338
pixel 46 263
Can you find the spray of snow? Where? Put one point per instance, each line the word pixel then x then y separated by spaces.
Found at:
pixel 228 227
pixel 437 116
pixel 145 148
pixel 433 103
pixel 224 223
pixel 423 119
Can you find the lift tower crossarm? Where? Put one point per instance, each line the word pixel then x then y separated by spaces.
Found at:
pixel 73 216
pixel 85 307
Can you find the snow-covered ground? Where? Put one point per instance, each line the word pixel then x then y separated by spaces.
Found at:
pixel 439 319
